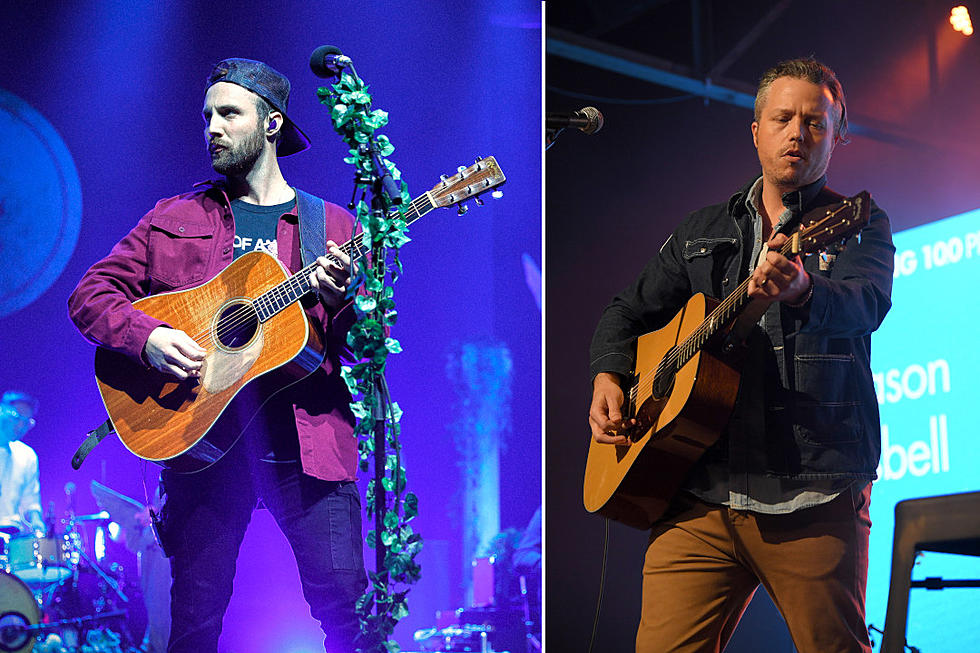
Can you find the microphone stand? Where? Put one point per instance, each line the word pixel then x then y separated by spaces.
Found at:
pixel 384 196
pixel 395 544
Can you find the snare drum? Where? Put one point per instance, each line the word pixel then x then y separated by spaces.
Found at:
pixel 18 611
pixel 39 560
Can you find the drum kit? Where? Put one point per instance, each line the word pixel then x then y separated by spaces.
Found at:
pixel 57 596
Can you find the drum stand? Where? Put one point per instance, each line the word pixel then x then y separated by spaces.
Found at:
pixel 80 615
pixel 109 580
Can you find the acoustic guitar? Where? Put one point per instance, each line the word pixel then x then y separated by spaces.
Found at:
pixel 684 385
pixel 250 321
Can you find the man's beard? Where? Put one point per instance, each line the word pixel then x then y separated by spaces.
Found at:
pixel 238 161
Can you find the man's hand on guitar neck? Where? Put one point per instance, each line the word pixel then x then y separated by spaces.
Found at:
pixel 780 279
pixel 173 352
pixel 605 414
pixel 332 276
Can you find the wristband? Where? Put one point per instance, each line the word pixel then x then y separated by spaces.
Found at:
pixel 806 297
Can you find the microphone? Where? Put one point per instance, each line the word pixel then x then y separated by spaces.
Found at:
pixel 587 119
pixel 328 61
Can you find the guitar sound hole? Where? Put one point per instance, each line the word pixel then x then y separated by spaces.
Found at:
pixel 663 380
pixel 236 326
pixel 663 384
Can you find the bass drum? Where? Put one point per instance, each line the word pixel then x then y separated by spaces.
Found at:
pixel 18 611
pixel 40 560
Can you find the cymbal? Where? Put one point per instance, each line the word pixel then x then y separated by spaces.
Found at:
pixel 11 526
pixel 122 508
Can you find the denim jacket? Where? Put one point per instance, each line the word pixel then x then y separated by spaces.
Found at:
pixel 806 401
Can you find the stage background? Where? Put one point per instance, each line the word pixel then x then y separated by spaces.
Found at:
pixel 614 197
pixel 122 83
pixel 923 359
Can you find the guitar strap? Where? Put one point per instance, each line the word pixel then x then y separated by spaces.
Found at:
pixel 312 226
pixel 93 438
pixel 318 218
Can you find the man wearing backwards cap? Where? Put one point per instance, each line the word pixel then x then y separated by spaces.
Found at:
pixel 299 455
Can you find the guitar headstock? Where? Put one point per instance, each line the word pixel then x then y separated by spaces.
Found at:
pixel 830 225
pixel 467 183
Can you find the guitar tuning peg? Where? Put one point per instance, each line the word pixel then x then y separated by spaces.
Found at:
pixel 444 177
pixel 462 209
pixel 478 200
pixel 460 168
pixel 479 158
pixel 497 194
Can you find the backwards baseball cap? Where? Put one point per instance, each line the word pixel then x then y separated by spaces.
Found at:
pixel 270 85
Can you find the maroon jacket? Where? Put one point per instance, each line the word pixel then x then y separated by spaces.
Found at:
pixel 181 243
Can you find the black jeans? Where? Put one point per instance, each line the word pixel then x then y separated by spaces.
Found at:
pixel 203 523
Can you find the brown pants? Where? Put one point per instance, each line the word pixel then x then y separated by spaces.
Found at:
pixel 705 562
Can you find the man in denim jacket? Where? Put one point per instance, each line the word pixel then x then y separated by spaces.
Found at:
pixel 782 497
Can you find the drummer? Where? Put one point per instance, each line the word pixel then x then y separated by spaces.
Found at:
pixel 20 490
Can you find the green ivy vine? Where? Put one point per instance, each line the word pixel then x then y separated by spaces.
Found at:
pixel 383 604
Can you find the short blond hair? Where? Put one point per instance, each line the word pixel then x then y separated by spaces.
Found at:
pixel 813 71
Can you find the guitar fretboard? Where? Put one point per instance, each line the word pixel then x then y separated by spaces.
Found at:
pixel 720 318
pixel 816 232
pixel 274 300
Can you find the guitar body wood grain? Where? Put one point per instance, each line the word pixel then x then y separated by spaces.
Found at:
pixel 188 425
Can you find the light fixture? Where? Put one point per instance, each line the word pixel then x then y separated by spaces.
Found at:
pixel 959 18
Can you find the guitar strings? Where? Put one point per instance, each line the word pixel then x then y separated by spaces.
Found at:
pixel 240 319
pixel 244 318
pixel 297 282
pixel 736 297
pixel 646 381
pixel 696 338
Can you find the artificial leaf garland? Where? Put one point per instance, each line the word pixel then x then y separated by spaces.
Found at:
pixel 380 608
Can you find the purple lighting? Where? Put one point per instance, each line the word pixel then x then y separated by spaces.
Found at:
pixel 124 88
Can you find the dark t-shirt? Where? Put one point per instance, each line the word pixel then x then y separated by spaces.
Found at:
pixel 255 226
pixel 272 434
